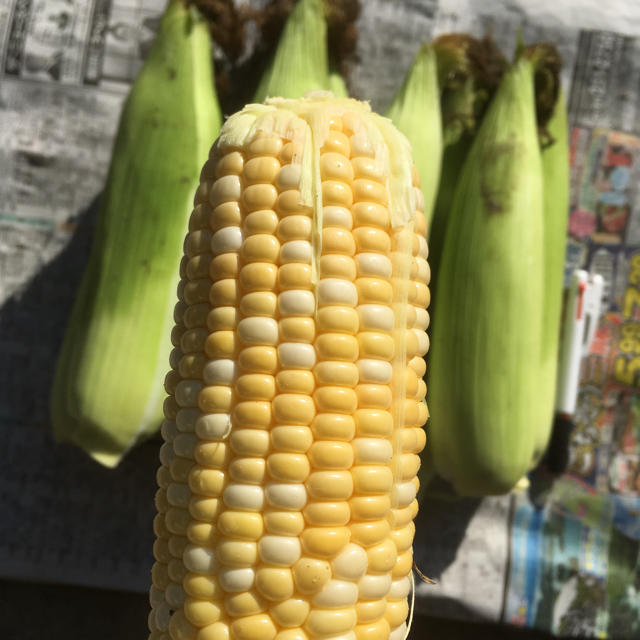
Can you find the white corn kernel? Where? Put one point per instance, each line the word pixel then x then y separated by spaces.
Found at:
pixel 423 341
pixel 214 426
pixel 167 454
pixel 244 496
pixel 336 593
pixel 296 302
pixel 279 550
pixel 423 251
pixel 225 240
pixel 296 355
pixel 372 586
pixel 351 564
pixel 286 496
pixel 372 450
pixel 399 589
pixel 162 616
pixel 187 392
pixel 296 251
pixel 185 444
pixel 156 596
pixel 373 264
pixel 200 560
pixel 337 291
pixel 424 271
pixel 375 317
pixel 178 494
pixel 334 216
pixel 236 580
pixel 169 430
pixel 422 319
pixel 374 371
pixel 175 596
pixel 403 494
pixel 259 331
pixel 221 371
pixel 225 189
pixel 289 177
pixel 186 419
pixel 399 633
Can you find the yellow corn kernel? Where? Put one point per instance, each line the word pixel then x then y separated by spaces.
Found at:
pixel 369 533
pixel 336 265
pixel 291 438
pixel 324 542
pixel 295 381
pixel 327 513
pixel 275 583
pixel 284 523
pixel 292 634
pixel 311 574
pixel 245 603
pixel 331 455
pixel 290 613
pixel 378 630
pixel 256 627
pixel 232 552
pixel 370 610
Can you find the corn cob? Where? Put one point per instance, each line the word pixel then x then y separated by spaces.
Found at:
pixel 300 62
pixel 483 376
pixel 293 423
pixel 107 387
pixel 415 110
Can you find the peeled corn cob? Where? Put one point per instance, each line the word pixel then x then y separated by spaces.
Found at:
pixel 107 391
pixel 293 423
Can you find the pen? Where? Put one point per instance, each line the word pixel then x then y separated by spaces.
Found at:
pixel 581 315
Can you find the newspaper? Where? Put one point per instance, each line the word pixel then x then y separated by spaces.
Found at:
pixel 564 557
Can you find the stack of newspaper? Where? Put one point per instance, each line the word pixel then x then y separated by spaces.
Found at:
pixel 563 558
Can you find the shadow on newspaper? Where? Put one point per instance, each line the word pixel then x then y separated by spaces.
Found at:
pixel 33 323
pixel 441 526
pixel 61 506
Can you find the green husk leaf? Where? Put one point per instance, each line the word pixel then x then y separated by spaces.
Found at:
pixel 300 62
pixel 556 178
pixel 547 63
pixel 107 391
pixel 415 110
pixel 469 71
pixel 337 85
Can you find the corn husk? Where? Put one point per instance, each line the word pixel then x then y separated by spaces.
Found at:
pixel 555 167
pixel 415 110
pixel 487 320
pixel 300 62
pixel 108 387
pixel 337 85
pixel 469 71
